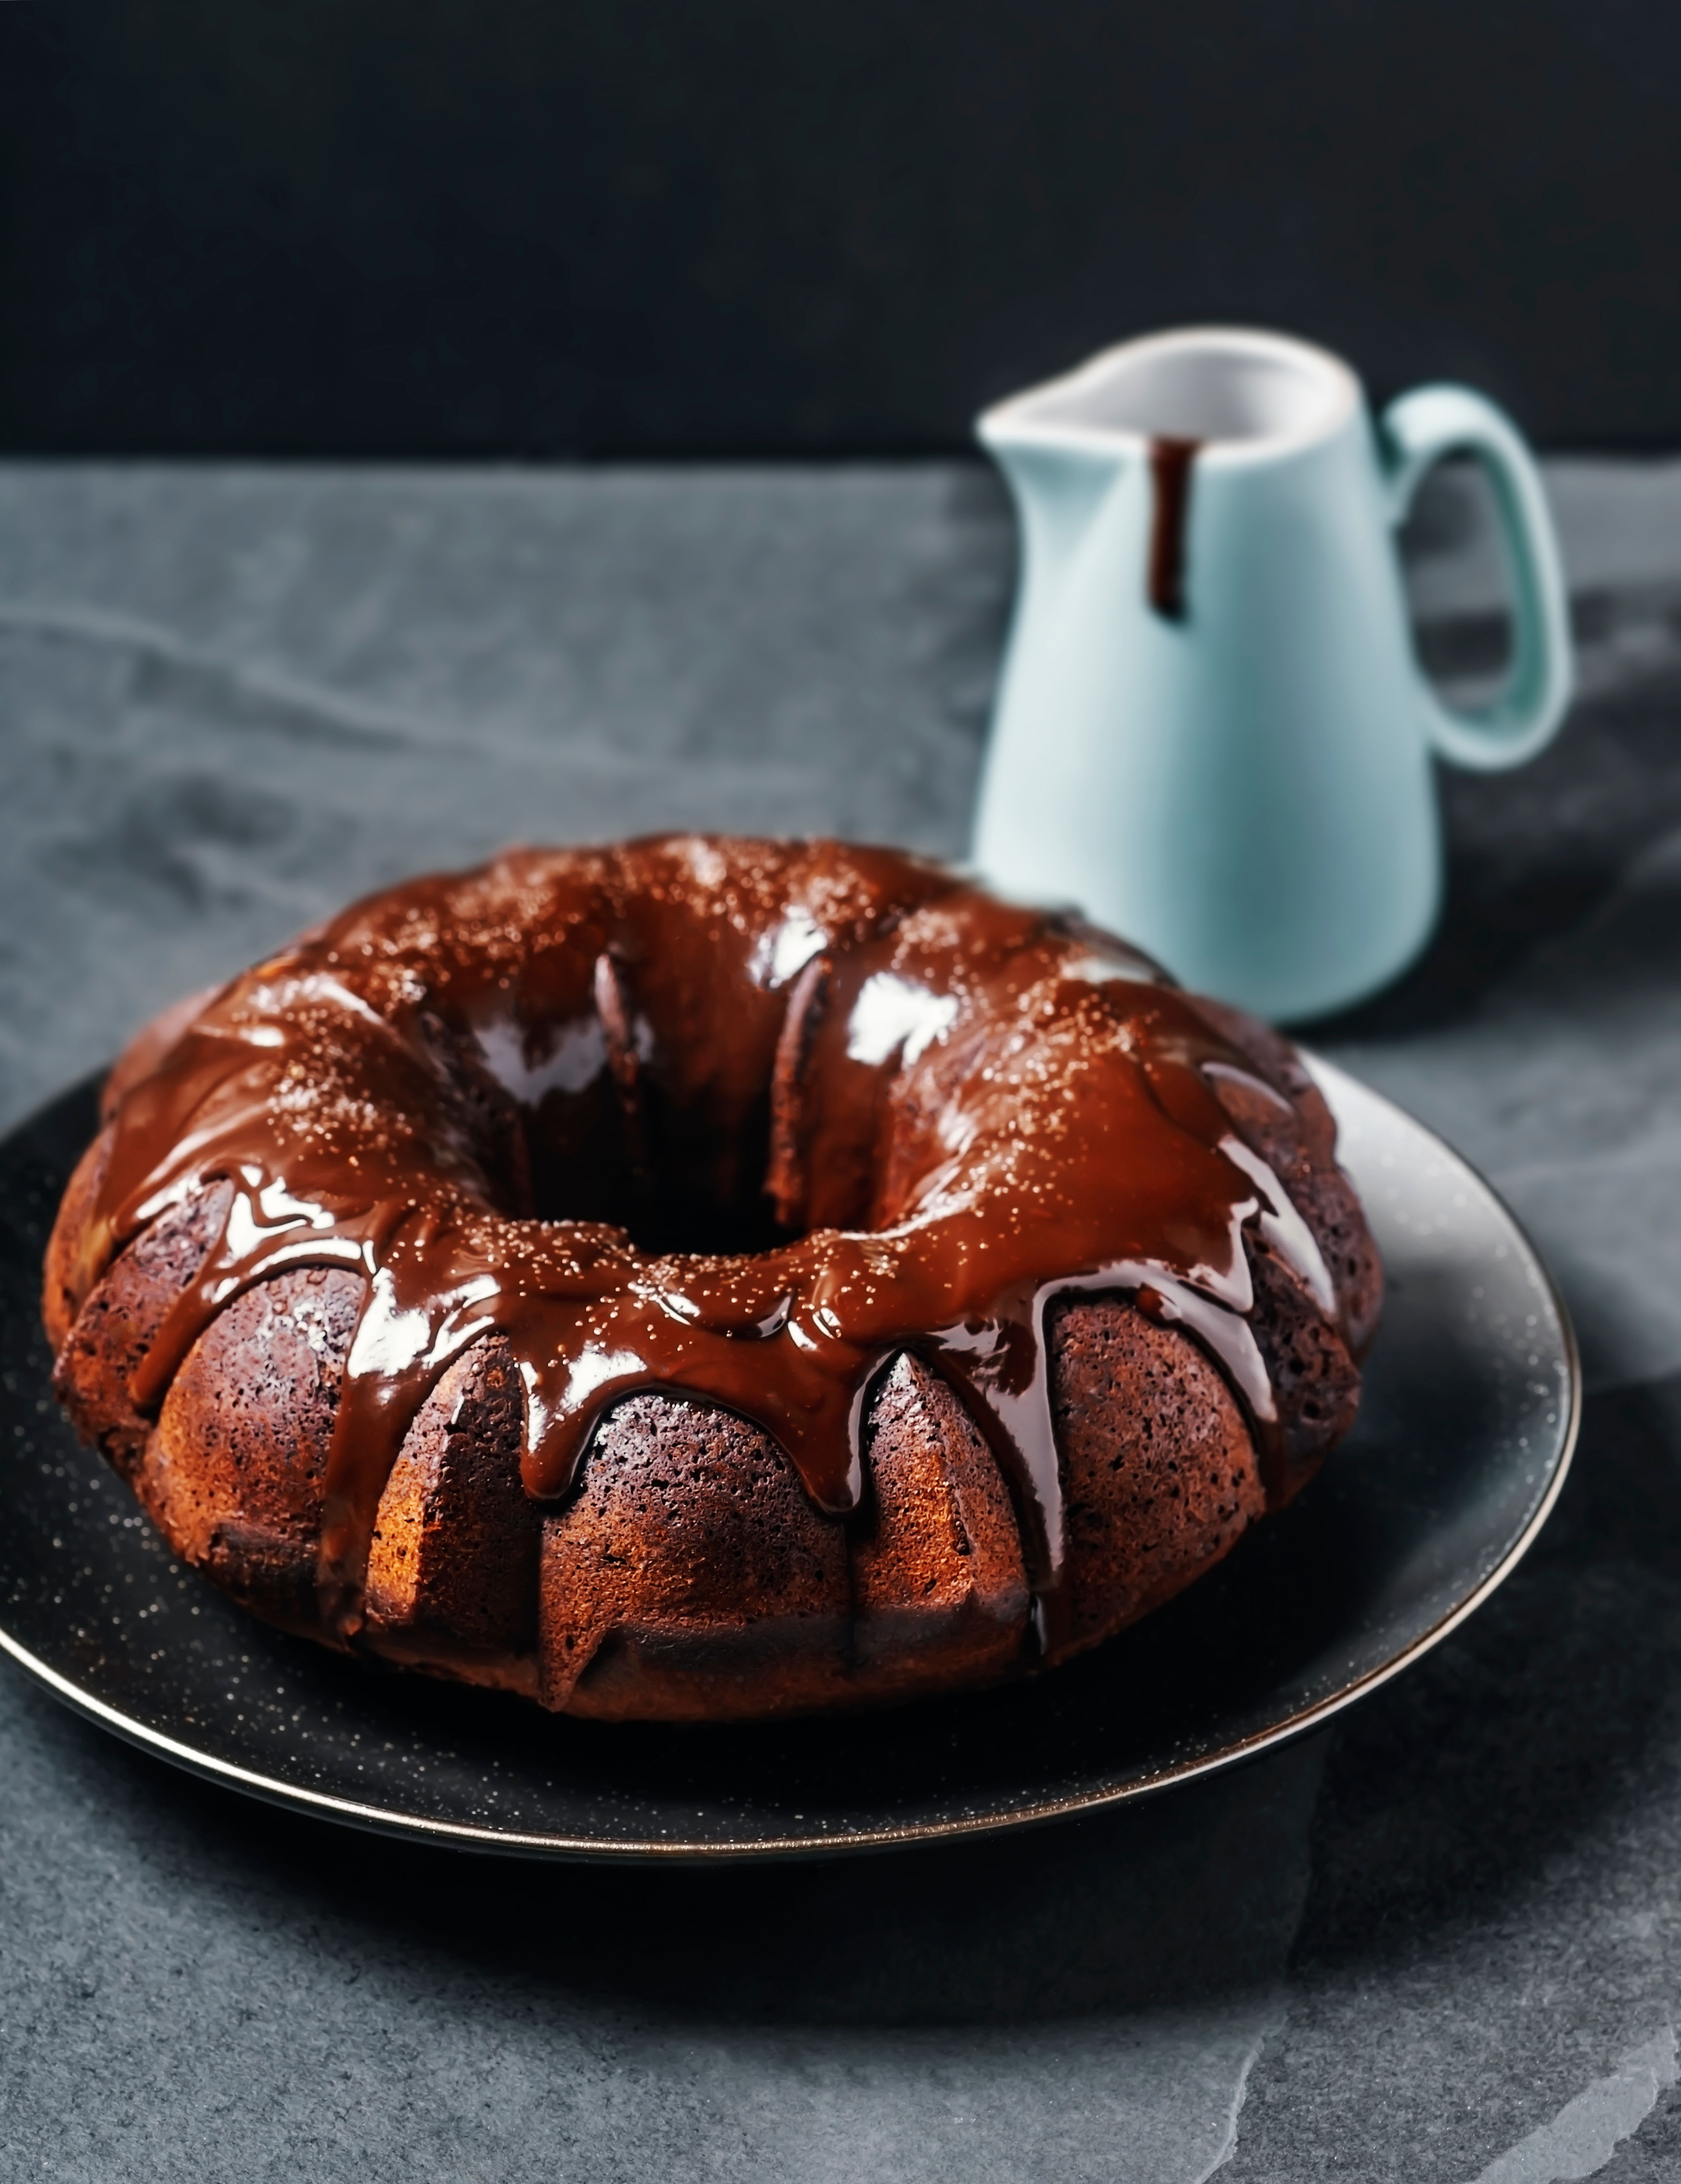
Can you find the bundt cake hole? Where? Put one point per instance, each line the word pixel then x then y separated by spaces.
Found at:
pixel 676 1178
pixel 609 1137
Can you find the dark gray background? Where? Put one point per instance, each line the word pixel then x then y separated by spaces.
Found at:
pixel 563 227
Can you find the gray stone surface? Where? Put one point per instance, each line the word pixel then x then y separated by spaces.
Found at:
pixel 196 1986
pixel 229 699
pixel 234 700
pixel 1493 1930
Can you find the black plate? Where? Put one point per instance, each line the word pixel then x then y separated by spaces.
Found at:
pixel 1471 1399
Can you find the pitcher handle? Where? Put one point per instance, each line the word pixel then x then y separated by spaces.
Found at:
pixel 1415 431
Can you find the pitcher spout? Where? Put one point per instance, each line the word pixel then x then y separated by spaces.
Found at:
pixel 1059 481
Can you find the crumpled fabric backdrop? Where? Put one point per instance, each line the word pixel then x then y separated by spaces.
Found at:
pixel 1442 1942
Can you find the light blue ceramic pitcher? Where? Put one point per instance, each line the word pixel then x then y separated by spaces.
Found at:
pixel 1211 731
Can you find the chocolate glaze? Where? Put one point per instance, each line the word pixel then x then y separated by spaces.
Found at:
pixel 1171 462
pixel 474 1088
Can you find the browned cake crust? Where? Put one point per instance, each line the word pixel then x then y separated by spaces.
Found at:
pixel 687 1574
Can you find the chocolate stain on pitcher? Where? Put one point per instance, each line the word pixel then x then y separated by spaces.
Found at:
pixel 1171 462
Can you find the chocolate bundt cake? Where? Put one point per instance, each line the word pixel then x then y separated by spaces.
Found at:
pixel 708 1278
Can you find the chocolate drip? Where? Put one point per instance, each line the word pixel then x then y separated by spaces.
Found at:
pixel 976 1122
pixel 624 1069
pixel 785 1175
pixel 1171 462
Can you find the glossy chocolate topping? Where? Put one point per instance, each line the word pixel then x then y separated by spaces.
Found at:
pixel 1171 462
pixel 743 1120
